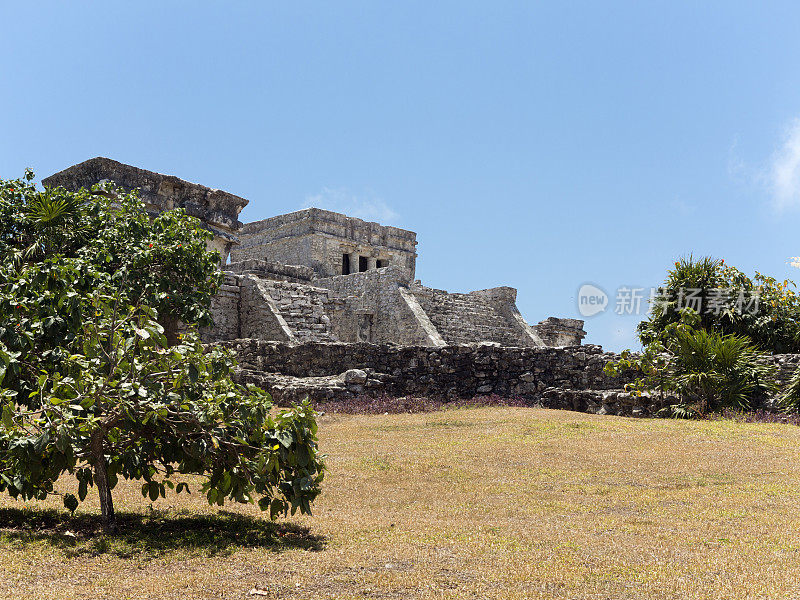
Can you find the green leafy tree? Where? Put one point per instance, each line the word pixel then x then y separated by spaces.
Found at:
pixel 91 385
pixel 761 308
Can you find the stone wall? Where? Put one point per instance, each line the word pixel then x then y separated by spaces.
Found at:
pixel 504 302
pixel 225 311
pixel 292 250
pixel 787 365
pixel 372 308
pixel 570 378
pixel 259 316
pixel 468 368
pixel 250 306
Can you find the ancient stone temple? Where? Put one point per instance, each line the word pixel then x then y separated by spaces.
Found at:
pixel 319 276
pixel 328 242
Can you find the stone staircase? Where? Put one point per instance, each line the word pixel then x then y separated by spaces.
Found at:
pixel 467 318
pixel 301 306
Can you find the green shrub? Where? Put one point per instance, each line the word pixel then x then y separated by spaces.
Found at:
pixel 708 370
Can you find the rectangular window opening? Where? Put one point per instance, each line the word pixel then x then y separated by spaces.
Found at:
pixel 381 263
pixel 362 264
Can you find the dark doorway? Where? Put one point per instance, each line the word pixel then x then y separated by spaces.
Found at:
pixel 345 264
pixel 381 263
pixel 362 264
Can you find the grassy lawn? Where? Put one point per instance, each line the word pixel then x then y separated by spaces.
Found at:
pixel 467 503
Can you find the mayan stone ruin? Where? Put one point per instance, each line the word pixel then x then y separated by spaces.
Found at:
pixel 319 276
pixel 325 305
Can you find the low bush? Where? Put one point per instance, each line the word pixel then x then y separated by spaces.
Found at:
pixel 709 370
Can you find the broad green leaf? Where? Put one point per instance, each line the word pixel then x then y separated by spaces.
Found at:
pixel 83 489
pixel 70 502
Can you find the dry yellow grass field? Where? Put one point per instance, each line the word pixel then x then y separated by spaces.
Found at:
pixel 467 503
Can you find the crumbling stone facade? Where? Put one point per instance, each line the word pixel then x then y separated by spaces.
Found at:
pixel 284 303
pixel 315 275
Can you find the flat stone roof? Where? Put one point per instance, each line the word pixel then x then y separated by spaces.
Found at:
pixel 321 215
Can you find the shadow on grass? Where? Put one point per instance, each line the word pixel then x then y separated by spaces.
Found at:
pixel 152 535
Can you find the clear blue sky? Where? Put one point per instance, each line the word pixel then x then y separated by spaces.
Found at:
pixel 534 145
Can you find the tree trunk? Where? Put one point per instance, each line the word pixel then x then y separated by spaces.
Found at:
pixel 106 501
pixel 101 479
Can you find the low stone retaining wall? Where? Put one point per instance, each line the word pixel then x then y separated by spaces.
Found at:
pixel 462 371
pixel 787 365
pixel 569 378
